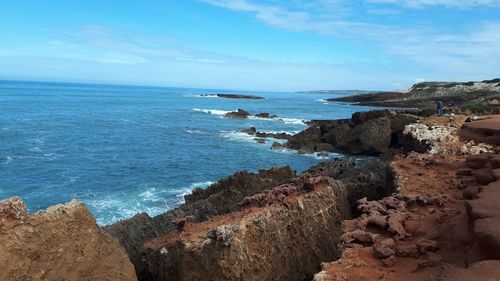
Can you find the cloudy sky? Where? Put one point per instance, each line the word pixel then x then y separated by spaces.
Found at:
pixel 251 44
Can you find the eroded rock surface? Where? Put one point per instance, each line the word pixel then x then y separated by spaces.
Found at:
pixel 61 243
pixel 217 199
pixel 371 133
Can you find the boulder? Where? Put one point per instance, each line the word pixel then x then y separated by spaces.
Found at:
pixel 384 248
pixel 484 176
pixel 240 113
pixel 250 131
pixel 358 236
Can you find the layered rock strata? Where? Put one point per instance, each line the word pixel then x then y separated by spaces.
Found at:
pixel 218 199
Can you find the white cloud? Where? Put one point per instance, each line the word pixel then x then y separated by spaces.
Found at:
pixel 446 3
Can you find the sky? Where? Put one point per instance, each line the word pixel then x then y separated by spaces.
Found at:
pixel 251 44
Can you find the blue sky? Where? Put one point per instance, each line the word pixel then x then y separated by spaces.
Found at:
pixel 251 44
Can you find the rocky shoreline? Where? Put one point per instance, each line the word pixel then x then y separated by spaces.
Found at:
pixel 420 204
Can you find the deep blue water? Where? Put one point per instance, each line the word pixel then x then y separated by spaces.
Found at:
pixel 123 149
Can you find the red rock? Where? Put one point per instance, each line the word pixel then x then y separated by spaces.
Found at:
pixel 358 236
pixel 395 221
pixel 390 261
pixel 495 162
pixel 62 243
pixel 477 161
pixel 407 250
pixel 484 176
pixel 384 248
pixel 374 218
pixel 496 173
pixel 425 245
pixel 412 226
pixel 470 192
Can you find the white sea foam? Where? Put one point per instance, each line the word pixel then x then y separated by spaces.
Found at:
pixel 212 111
pixel 194 132
pixel 202 95
pixel 238 136
pixel 189 190
pixel 294 121
pixel 323 101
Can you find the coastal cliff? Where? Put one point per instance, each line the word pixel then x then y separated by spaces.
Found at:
pixel 419 204
pixel 61 243
pixel 475 96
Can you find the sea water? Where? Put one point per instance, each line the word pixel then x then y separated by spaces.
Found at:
pixel 127 149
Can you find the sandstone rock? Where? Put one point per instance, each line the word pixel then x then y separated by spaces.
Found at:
pixel 412 226
pixel 470 192
pixel 217 199
pixel 358 236
pixel 425 245
pixel 464 173
pixel 395 222
pixel 407 250
pixel 432 259
pixel 61 243
pixel 484 176
pixel 373 218
pixel 183 222
pixel 477 161
pixel 224 234
pixel 366 206
pixel 390 261
pixel 271 243
pixel 384 248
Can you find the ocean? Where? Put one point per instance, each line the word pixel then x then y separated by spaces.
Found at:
pixel 122 150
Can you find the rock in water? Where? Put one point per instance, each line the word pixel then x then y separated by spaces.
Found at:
pixel 62 243
pixel 240 113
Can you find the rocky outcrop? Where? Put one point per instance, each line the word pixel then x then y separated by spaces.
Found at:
pixel 371 133
pixel 61 243
pixel 285 240
pixel 486 130
pixel 240 113
pixel 281 233
pixel 479 97
pixel 253 131
pixel 218 199
pixel 265 115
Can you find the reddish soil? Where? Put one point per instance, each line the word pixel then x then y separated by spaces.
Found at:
pixel 460 236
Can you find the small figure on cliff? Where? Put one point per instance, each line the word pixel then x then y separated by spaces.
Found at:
pixel 440 108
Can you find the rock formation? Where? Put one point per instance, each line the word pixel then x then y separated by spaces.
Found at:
pixel 369 133
pixel 217 199
pixel 240 113
pixel 61 243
